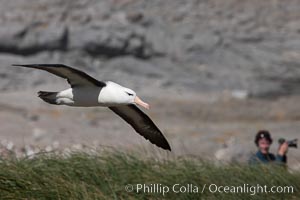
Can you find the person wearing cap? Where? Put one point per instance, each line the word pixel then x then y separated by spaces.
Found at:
pixel 263 141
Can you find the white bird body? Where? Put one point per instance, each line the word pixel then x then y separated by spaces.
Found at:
pixel 86 91
pixel 111 95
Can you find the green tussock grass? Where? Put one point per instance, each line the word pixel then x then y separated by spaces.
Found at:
pixel 105 175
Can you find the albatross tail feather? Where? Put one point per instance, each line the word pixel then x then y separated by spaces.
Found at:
pixel 49 97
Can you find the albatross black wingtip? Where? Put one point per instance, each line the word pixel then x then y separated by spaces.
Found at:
pixel 39 66
pixel 19 65
pixel 165 145
pixel 168 148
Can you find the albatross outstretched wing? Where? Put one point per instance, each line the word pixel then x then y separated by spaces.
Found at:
pixel 75 77
pixel 142 124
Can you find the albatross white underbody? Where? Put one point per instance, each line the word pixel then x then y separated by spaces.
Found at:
pixel 85 91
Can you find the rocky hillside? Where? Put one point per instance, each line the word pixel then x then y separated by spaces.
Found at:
pixel 250 46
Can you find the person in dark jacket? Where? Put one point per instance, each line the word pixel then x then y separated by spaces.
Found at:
pixel 263 141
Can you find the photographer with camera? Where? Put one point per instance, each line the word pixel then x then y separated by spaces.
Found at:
pixel 263 141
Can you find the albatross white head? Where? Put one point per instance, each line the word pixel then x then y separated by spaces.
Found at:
pixel 114 93
pixel 134 99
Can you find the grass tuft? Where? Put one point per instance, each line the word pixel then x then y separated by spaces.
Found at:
pixel 105 175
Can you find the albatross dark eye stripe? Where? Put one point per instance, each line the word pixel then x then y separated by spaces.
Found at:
pixel 129 94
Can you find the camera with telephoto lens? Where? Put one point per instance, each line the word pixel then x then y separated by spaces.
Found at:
pixel 291 143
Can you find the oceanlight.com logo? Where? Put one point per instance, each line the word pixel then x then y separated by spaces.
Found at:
pixel 250 189
pixel 157 188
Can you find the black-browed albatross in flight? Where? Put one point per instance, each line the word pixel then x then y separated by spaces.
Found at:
pixel 86 91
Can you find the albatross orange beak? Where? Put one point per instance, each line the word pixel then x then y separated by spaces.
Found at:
pixel 139 101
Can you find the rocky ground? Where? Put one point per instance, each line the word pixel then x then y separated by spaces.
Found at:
pixel 214 71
